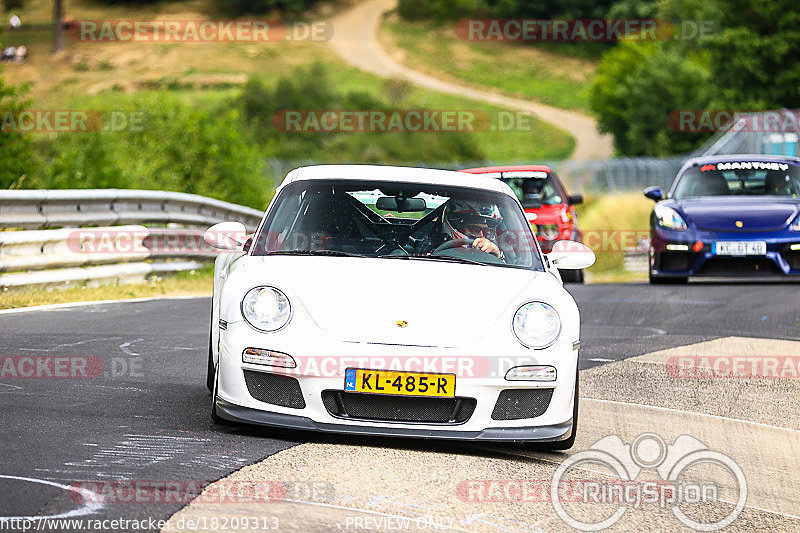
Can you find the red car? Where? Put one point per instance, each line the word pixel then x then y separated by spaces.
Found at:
pixel 549 208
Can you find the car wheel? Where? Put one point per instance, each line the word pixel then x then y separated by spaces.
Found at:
pixel 214 416
pixel 569 442
pixel 658 280
pixel 210 371
pixel 571 276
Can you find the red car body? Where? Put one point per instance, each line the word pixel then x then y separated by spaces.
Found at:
pixel 550 221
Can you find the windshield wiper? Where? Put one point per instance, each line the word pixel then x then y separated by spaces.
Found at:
pixel 445 258
pixel 332 253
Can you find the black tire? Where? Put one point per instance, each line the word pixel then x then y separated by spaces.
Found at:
pixel 214 416
pixel 658 280
pixel 571 276
pixel 210 370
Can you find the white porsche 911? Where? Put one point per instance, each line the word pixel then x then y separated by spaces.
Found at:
pixel 396 302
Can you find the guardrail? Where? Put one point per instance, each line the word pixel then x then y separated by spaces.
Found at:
pixel 110 253
pixel 35 209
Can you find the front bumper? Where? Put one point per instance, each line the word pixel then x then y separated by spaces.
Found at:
pixel 479 378
pixel 249 415
pixel 780 259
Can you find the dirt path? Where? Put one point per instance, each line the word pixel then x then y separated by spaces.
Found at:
pixel 356 41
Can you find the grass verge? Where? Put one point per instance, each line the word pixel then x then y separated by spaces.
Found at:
pixel 610 224
pixel 182 284
pixel 103 75
pixel 526 71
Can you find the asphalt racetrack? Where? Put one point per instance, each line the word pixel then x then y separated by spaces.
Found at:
pixel 143 415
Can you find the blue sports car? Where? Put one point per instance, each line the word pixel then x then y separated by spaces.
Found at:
pixel 727 215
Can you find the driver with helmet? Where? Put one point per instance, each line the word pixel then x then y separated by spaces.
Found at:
pixel 473 221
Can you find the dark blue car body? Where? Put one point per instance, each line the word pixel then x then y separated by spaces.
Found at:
pixel 766 225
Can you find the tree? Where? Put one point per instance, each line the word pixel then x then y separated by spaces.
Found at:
pixel 753 58
pixel 637 86
pixel 58 26
pixel 16 149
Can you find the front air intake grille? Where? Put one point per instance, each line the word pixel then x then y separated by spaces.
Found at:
pixel 386 408
pixel 274 389
pixel 675 261
pixel 515 404
pixel 739 266
pixel 792 257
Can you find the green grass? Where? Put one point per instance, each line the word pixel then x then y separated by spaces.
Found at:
pixel 92 75
pixel 528 71
pixel 611 222
pixel 199 283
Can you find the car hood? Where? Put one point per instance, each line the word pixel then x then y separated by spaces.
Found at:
pixel 362 300
pixel 546 214
pixel 755 214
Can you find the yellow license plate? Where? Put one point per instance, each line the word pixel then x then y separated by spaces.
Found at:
pixel 400 383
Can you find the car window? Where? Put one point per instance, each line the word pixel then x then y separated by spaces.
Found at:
pixel 386 219
pixel 533 187
pixel 740 179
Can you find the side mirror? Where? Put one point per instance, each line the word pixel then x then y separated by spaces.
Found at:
pixel 575 199
pixel 654 193
pixel 226 236
pixel 571 255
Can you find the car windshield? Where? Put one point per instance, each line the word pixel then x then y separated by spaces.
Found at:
pixel 398 221
pixel 533 188
pixel 740 178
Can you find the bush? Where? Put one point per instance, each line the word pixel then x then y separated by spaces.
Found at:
pixel 251 7
pixel 180 148
pixel 311 89
pixel 17 156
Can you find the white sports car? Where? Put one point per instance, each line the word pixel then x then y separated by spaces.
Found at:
pixel 397 302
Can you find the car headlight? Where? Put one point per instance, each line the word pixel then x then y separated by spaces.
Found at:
pixel 795 226
pixel 536 325
pixel 666 217
pixel 266 308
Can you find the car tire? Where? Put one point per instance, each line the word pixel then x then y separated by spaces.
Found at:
pixel 572 276
pixel 214 416
pixel 658 280
pixel 210 370
pixel 567 443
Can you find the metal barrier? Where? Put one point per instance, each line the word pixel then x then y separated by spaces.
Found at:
pixel 34 209
pixel 111 253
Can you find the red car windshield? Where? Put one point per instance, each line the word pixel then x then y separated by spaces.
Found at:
pixel 534 188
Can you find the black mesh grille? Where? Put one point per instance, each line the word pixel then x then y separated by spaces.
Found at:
pixel 398 408
pixel 515 404
pixel 675 261
pixel 792 257
pixel 738 266
pixel 275 389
